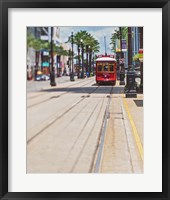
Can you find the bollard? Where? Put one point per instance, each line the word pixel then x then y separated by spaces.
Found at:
pixel 130 88
pixel 122 77
pixel 72 76
pixel 52 79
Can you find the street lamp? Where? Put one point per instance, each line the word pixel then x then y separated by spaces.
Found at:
pixel 93 63
pixel 52 71
pixel 90 57
pixel 122 69
pixel 87 62
pixel 82 54
pixel 130 88
pixel 72 60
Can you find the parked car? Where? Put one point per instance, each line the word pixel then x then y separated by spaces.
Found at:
pixel 45 77
pixel 38 77
pixel 42 77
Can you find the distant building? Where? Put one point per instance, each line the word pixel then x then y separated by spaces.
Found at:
pixel 40 61
pixel 31 53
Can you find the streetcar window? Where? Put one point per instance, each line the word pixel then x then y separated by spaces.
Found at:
pixel 100 68
pixel 111 67
pixel 105 68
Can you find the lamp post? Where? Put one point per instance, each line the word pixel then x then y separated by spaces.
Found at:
pixel 93 63
pixel 87 62
pixel 130 88
pixel 78 60
pixel 122 69
pixel 72 60
pixel 90 57
pixel 52 71
pixel 141 63
pixel 82 54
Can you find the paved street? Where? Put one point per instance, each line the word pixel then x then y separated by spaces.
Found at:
pixel 80 127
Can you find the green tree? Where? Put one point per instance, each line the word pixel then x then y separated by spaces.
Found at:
pixel 116 35
pixel 89 42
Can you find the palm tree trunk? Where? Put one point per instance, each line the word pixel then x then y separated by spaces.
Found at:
pixel 78 49
pixel 90 59
pixel 129 46
pixel 36 61
pixel 87 70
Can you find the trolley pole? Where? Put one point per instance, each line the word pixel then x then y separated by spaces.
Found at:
pixel 105 45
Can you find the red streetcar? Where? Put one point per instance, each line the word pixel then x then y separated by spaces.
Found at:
pixel 106 69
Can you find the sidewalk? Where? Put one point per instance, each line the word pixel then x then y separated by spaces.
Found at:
pixel 123 149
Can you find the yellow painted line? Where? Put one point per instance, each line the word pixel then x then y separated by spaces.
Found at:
pixel 135 132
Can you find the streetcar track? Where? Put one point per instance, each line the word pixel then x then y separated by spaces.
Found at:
pixel 87 139
pixel 59 117
pixel 80 134
pixel 90 131
pixel 54 115
pixel 33 97
pixel 50 98
pixel 102 136
pixel 53 121
pixel 45 93
pixel 80 153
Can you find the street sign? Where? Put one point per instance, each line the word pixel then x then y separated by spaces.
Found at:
pixel 124 46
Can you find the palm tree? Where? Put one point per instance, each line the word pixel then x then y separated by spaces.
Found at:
pixel 78 37
pixel 91 45
pixel 116 35
pixel 84 39
pixel 36 44
pixel 59 51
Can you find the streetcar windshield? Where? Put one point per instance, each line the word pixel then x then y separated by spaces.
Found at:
pixel 100 68
pixel 111 67
pixel 105 67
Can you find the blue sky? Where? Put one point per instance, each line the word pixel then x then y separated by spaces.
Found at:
pixel 98 33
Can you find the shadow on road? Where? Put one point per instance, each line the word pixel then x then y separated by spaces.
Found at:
pixel 97 90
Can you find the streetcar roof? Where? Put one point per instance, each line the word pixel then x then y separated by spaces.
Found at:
pixel 105 59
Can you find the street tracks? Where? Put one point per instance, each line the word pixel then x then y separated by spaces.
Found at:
pixel 80 144
pixel 54 118
pixel 49 97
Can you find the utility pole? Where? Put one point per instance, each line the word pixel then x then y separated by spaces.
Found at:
pixel 105 45
pixel 52 70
